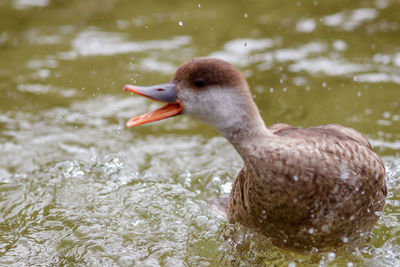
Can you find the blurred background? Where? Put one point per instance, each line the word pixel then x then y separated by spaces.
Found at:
pixel 78 187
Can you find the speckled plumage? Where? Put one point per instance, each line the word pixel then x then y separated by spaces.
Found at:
pixel 316 187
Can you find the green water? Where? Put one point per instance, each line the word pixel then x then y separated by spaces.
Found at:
pixel 78 188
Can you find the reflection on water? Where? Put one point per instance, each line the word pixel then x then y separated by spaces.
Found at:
pixel 22 4
pixel 77 187
pixel 350 20
pixel 92 43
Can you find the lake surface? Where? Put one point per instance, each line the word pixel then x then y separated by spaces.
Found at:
pixel 79 188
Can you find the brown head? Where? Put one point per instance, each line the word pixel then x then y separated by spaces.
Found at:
pixel 208 89
pixel 205 72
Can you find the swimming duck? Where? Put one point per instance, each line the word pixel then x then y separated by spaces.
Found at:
pixel 301 187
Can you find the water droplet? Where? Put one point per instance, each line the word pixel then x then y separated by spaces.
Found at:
pixel 199 6
pixel 271 89
pixel 180 23
pixel 295 178
pixel 311 231
pixel 292 264
pixel 345 239
pixel 324 84
pixel 245 15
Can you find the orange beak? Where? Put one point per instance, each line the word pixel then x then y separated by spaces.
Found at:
pixel 164 93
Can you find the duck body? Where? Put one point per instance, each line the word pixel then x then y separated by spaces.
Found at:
pixel 315 187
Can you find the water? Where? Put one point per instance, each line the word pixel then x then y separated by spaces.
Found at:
pixel 77 187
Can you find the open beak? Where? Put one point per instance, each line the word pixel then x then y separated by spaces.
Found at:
pixel 164 93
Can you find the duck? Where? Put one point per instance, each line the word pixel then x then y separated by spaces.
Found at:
pixel 302 188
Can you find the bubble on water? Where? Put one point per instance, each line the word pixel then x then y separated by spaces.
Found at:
pixel 331 256
pixel 71 169
pixel 201 220
pixel 113 165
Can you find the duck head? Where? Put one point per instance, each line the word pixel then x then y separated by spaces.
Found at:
pixel 207 89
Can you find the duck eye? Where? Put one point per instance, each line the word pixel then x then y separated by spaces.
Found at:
pixel 199 83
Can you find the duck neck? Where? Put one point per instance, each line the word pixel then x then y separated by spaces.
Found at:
pixel 246 133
